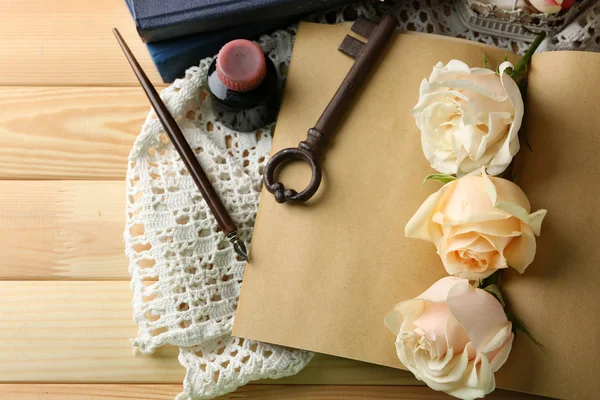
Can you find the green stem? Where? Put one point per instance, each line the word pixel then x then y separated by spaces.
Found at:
pixel 524 61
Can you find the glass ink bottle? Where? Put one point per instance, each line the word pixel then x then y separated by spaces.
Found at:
pixel 244 86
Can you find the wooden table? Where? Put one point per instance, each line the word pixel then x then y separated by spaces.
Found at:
pixel 70 109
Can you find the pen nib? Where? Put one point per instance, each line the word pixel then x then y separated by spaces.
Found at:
pixel 238 245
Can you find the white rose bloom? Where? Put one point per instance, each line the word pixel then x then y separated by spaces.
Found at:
pixel 469 118
pixel 453 337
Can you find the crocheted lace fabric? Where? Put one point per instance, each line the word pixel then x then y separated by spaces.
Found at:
pixel 581 34
pixel 223 364
pixel 185 276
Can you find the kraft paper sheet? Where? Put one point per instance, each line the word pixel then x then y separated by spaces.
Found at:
pixel 323 275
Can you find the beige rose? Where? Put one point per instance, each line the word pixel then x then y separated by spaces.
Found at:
pixel 479 224
pixel 453 337
pixel 469 118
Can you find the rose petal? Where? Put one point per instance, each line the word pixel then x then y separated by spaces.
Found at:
pixel 469 198
pixel 470 137
pixel 406 357
pixel 482 378
pixel 456 336
pixel 507 197
pixel 457 267
pixel 438 292
pixel 535 221
pixel 521 250
pixel 406 310
pixel 453 69
pixel 453 264
pixel 454 372
pixel 498 349
pixel 465 390
pixel 432 323
pixel 419 226
pixel 465 85
pixel 463 241
pixel 430 94
pixel 505 227
pixel 490 83
pixel 472 241
pixel 498 262
pixel 498 243
pixel 482 71
pixel 497 341
pixel 498 124
pixel 439 367
pixel 478 312
pixel 510 147
pixel 476 218
pixel 457 251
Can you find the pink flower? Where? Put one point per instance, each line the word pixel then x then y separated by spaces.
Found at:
pixel 551 6
pixel 479 224
pixel 453 337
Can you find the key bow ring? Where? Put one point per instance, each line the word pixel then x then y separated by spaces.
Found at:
pixel 310 150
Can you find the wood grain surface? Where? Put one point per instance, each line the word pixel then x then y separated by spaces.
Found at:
pixel 62 230
pixel 78 331
pixel 75 332
pixel 68 42
pixel 68 132
pixel 70 109
pixel 273 392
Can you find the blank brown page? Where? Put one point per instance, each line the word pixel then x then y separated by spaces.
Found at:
pixel 323 275
pixel 558 295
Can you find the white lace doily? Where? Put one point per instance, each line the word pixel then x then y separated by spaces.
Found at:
pixel 581 34
pixel 223 364
pixel 185 276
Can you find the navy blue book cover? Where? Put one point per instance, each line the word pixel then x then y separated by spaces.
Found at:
pixel 172 57
pixel 159 20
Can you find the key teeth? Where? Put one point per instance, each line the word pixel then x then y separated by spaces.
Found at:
pixel 363 26
pixel 351 46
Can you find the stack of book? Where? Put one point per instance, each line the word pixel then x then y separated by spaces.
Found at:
pixel 179 33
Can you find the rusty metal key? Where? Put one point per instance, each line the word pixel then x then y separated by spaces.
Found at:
pixel 311 149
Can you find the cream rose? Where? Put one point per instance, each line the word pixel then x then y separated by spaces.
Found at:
pixel 453 337
pixel 479 224
pixel 469 118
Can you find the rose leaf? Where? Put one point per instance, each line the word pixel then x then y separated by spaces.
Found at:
pixel 518 324
pixel 444 178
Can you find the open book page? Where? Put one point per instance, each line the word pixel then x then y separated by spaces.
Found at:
pixel 323 275
pixel 558 295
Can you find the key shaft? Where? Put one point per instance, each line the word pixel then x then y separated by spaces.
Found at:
pixel 366 60
pixel 311 149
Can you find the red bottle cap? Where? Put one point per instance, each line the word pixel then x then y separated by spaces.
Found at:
pixel 241 65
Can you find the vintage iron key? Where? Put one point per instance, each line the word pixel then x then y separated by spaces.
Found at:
pixel 311 149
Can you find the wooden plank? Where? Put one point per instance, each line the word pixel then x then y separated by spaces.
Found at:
pixel 324 369
pixel 47 43
pixel 68 132
pixel 280 392
pixel 78 332
pixel 75 332
pixel 62 230
pixel 328 392
pixel 88 392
